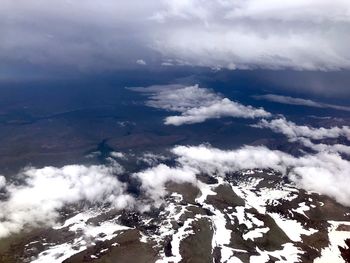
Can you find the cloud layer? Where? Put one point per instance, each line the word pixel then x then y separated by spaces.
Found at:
pixel 302 34
pixel 248 34
pixel 196 104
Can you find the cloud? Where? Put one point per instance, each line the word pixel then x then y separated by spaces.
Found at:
pixel 153 180
pixel 294 131
pixel 325 173
pixel 249 34
pixel 118 155
pixel 321 147
pixel 196 104
pixel 151 159
pixel 288 10
pixel 219 109
pixel 87 35
pixel 299 101
pixel 75 35
pixel 305 134
pixel 141 62
pixel 44 192
pixel 2 181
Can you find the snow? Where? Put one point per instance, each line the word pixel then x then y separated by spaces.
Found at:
pixel 221 235
pixel 108 228
pixel 289 254
pixel 292 228
pixel 88 234
pixel 78 219
pixel 240 215
pixel 336 238
pixel 58 253
pixel 302 209
pixel 143 238
pixel 182 233
pixel 255 233
pixel 205 190
pixel 254 220
pixel 173 212
pixel 247 172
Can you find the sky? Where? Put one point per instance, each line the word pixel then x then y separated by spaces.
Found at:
pixel 76 35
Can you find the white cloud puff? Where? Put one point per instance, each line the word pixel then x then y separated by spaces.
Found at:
pixel 196 104
pixel 322 147
pixel 218 109
pixel 43 192
pixel 294 131
pixel 141 62
pixel 153 180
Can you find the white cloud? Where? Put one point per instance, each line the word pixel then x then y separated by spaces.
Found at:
pixel 298 10
pixel 299 101
pixel 249 34
pixel 218 109
pixel 288 10
pixel 321 147
pixel 151 159
pixel 141 62
pixel 118 155
pixel 2 181
pixel 154 179
pixel 196 104
pixel 305 134
pixel 43 192
pixel 325 173
pixel 294 131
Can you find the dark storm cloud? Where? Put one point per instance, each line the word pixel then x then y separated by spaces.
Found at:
pixel 87 35
pixel 98 35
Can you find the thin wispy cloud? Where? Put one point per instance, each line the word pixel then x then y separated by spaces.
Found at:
pixel 299 101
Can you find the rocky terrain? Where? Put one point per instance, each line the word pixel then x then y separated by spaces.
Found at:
pixel 247 216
